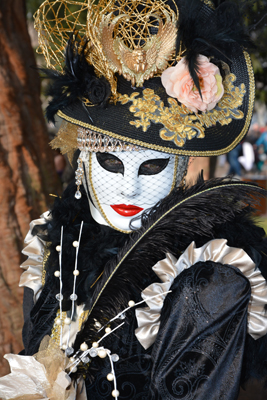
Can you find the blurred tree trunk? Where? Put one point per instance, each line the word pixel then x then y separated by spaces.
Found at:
pixel 27 173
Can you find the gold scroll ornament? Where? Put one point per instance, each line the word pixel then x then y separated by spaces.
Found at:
pixel 179 123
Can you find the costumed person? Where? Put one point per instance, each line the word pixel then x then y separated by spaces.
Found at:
pixel 137 287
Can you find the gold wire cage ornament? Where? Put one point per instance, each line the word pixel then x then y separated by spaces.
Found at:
pixel 135 38
pixel 54 22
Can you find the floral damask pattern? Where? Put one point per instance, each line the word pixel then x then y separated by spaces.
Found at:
pixel 179 123
pixel 208 336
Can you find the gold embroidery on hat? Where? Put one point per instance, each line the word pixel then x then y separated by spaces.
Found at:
pixel 179 124
pixel 180 150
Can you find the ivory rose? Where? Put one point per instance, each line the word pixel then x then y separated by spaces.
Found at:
pixel 178 84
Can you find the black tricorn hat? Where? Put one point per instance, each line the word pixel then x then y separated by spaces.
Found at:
pixel 115 63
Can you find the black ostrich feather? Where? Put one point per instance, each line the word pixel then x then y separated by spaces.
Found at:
pixel 195 213
pixel 78 80
pixel 217 34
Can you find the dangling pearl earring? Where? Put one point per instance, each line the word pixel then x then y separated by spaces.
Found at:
pixel 78 178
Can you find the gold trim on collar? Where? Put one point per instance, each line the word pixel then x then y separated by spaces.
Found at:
pixel 47 252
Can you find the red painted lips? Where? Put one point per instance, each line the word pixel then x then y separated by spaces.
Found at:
pixel 126 211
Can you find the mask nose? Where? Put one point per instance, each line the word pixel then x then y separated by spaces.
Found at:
pixel 130 185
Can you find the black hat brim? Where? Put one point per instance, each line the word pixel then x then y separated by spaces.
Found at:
pixel 115 120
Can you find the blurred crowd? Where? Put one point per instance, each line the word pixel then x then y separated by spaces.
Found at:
pixel 250 156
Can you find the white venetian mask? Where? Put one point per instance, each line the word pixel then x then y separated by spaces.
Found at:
pixel 122 185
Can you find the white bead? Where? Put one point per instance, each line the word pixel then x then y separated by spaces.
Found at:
pixel 58 321
pixel 131 303
pixel 102 353
pixel 72 359
pixel 73 369
pixel 115 393
pixel 64 346
pixel 98 325
pixel 78 195
pixel 108 330
pixel 115 357
pixel 95 345
pixel 75 243
pixel 67 321
pixel 93 352
pixel 83 346
pixel 57 274
pixel 110 377
pixel 76 272
pixel 69 351
pixel 58 248
pixel 59 297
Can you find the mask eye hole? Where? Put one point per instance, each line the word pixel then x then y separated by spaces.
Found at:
pixel 110 163
pixel 153 167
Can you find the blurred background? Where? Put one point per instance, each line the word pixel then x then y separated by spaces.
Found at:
pixel 30 170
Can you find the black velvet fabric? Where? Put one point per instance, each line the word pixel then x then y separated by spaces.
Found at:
pixel 199 348
pixel 41 320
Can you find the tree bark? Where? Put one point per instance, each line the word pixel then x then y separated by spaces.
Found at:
pixel 26 164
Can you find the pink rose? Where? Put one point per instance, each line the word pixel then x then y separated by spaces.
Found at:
pixel 178 84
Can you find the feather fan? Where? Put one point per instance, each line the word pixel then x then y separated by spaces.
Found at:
pixel 170 226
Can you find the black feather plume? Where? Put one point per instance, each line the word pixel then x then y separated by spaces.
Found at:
pixel 216 34
pixel 77 80
pixel 196 213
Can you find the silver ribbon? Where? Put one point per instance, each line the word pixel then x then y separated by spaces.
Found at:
pixel 167 270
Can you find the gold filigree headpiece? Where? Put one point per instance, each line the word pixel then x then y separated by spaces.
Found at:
pixel 108 56
pixel 135 38
pixel 139 55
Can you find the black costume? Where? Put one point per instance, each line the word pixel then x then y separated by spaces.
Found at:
pixel 175 309
pixel 202 348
